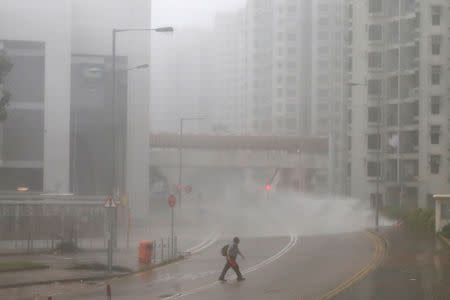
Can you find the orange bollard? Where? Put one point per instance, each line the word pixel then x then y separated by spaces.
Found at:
pixel 108 292
pixel 145 252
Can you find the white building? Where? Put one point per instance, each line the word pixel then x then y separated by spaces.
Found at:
pixel 278 73
pixel 400 51
pixel 182 76
pixel 45 39
pixel 328 107
pixel 229 110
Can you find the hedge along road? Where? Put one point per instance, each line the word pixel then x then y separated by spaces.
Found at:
pixel 276 267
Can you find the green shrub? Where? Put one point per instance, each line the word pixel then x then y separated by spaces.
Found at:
pixel 446 231
pixel 421 219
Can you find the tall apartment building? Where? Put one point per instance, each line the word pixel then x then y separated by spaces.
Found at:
pixel 183 80
pixel 228 113
pixel 400 55
pixel 278 96
pixel 328 101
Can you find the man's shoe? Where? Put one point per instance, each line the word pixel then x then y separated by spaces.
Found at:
pixel 241 279
pixel 222 280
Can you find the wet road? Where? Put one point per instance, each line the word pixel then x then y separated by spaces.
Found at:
pixel 276 268
pixel 417 267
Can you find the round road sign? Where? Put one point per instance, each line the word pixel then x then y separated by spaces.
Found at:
pixel 172 200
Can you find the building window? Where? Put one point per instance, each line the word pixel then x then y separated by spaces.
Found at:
pixel 323 7
pixel 349 169
pixel 322 50
pixel 434 134
pixel 291 9
pixel 322 35
pixel 280 92
pixel 435 16
pixel 435 161
pixel 291 124
pixel 375 32
pixel 374 87
pixel 292 51
pixel 291 36
pixel 322 92
pixel 373 142
pixel 349 116
pixel 435 75
pixel 435 105
pixel 375 6
pixel 280 36
pixel 323 21
pixel 291 93
pixel 373 169
pixel 291 65
pixel 373 114
pixel 374 60
pixel 291 79
pixel 349 142
pixel 435 49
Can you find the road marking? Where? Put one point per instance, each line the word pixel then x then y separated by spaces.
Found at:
pixel 376 261
pixel 205 244
pixel 292 242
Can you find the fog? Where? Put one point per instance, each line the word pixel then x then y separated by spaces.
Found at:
pixel 190 14
pixel 225 203
pixel 247 73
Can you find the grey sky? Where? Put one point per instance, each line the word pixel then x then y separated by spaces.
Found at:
pixel 190 13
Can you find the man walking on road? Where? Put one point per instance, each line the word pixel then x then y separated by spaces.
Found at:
pixel 231 253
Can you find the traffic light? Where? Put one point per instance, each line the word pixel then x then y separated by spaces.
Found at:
pixel 179 187
pixel 268 187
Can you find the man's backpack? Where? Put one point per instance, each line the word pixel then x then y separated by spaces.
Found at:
pixel 224 250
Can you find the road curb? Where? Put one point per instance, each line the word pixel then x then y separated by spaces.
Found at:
pixel 378 258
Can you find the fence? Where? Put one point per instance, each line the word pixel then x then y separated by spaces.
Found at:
pixel 38 221
pixel 164 250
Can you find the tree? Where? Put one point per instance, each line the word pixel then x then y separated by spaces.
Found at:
pixel 5 95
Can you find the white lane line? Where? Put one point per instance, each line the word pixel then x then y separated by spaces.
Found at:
pixel 292 242
pixel 203 245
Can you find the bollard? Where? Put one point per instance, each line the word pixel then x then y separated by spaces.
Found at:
pixel 108 292
pixel 176 247
pixel 154 252
pixel 49 298
pixel 168 249
pixel 162 250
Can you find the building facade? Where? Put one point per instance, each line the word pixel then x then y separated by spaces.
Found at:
pixel 399 104
pixel 278 99
pixel 48 116
pixel 328 101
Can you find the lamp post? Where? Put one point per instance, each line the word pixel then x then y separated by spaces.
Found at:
pixel 118 155
pixel 379 123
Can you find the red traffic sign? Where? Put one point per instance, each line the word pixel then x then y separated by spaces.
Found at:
pixel 188 189
pixel 110 203
pixel 172 200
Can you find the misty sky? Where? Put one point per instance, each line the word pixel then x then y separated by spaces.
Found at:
pixel 190 13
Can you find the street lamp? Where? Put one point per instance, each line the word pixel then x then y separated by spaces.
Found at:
pixel 118 181
pixel 380 115
pixel 118 164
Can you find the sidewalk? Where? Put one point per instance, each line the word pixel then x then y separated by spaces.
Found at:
pixel 60 264
pixel 417 267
